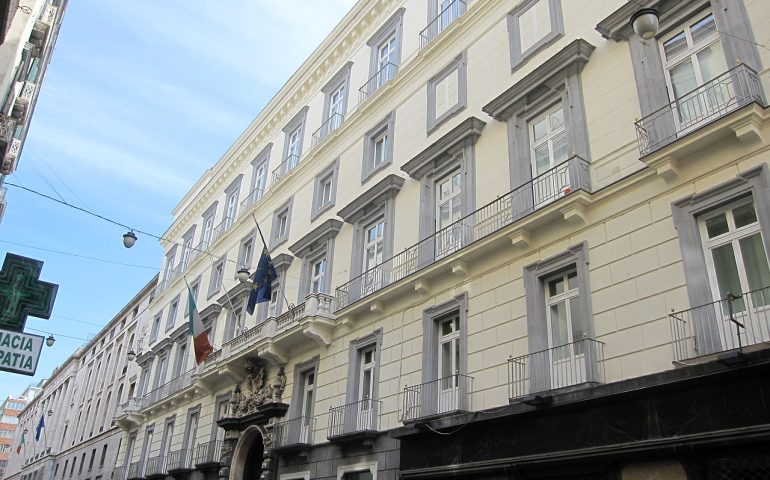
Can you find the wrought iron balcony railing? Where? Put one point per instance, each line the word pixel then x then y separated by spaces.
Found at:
pixel 26 92
pixel 155 466
pixel 360 416
pixel 571 364
pixel 197 251
pixel 136 470
pixel 170 388
pixel 331 124
pixel 220 229
pixel 552 185
pixel 120 473
pixel 735 321
pixel 726 93
pixel 446 17
pixel 285 167
pixel 180 459
pixel 294 432
pixel 383 76
pixel 252 198
pixel 437 397
pixel 207 453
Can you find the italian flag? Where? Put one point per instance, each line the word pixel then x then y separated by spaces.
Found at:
pixel 200 338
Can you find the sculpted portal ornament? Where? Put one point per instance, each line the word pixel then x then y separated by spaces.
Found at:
pixel 279 385
pixel 259 392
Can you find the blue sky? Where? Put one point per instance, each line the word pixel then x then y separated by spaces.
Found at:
pixel 139 100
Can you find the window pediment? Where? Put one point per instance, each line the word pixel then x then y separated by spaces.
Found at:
pixel 386 188
pixel 466 132
pixel 210 312
pixel 550 75
pixel 312 240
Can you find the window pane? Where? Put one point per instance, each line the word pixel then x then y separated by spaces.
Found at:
pixel 572 281
pixel 703 29
pixel 744 215
pixel 366 387
pixel 683 78
pixel 576 320
pixel 712 63
pixel 540 130
pixel 542 159
pixel 755 262
pixel 559 148
pixel 446 359
pixel 556 286
pixel 559 334
pixel 534 24
pixel 557 119
pixel 716 226
pixel 446 327
pixel 675 46
pixel 726 270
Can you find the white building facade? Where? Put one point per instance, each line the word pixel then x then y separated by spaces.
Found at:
pixel 491 221
pixel 79 402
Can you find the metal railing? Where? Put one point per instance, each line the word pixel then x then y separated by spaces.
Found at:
pixel 48 14
pixel 197 251
pixel 136 470
pixel 169 388
pixel 297 431
pixel 208 452
pixel 220 229
pixel 383 76
pixel 7 128
pixel 731 90
pixel 446 17
pixel 566 365
pixel 560 181
pixel 735 321
pixel 252 198
pixel 331 124
pixel 285 167
pixel 360 416
pixel 155 466
pixel 448 394
pixel 179 459
pixel 120 473
pixel 26 92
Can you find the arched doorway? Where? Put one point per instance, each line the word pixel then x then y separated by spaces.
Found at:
pixel 247 457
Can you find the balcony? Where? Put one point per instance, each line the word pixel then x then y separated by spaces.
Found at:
pixel 295 434
pixel 354 421
pixel 383 76
pixel 311 321
pixel 169 278
pixel 724 94
pixel 549 188
pixel 285 167
pixel 446 17
pixel 168 390
pixel 577 363
pixel 43 24
pixel 220 229
pixel 437 397
pixel 734 322
pixel 197 251
pixel 156 467
pixel 24 93
pixel 179 460
pixel 251 199
pixel 330 125
pixel 136 471
pixel 11 157
pixel 128 416
pixel 120 473
pixel 207 455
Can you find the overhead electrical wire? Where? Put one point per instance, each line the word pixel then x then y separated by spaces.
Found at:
pixel 80 256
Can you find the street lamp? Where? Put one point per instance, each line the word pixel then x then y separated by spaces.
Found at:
pixel 50 340
pixel 131 355
pixel 243 275
pixel 129 239
pixel 645 23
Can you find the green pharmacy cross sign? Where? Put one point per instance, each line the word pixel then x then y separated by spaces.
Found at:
pixel 22 294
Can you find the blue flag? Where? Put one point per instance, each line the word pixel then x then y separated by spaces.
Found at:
pixel 39 428
pixel 264 277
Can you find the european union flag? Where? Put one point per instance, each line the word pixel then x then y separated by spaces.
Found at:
pixel 40 426
pixel 263 282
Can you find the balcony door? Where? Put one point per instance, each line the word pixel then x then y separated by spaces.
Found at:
pixel 386 59
pixel 449 364
pixel 366 412
pixel 548 138
pixel 566 345
pixel 693 58
pixel 737 264
pixel 373 250
pixel 448 212
pixel 306 424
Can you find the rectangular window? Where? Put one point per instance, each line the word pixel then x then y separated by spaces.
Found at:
pixel 168 433
pixel 91 461
pixel 129 449
pixel 160 371
pixel 194 288
pixel 273 305
pixel 246 251
pixel 208 230
pixel 447 92
pixel 82 463
pixel 191 431
pixel 217 275
pixel 449 209
pixel 360 471
pixel 231 210
pixel 292 149
pixel 549 150
pixel 281 224
pixel 103 457
pixel 187 245
pixel 532 26
pixel 325 190
pixel 223 407
pixel 374 245
pixel 155 328
pixel 172 309
pixel 378 147
pixel 318 275
pixel 385 54
pixel 325 195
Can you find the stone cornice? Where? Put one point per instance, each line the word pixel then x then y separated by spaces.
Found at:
pixel 389 185
pixel 322 232
pixel 211 311
pixel 469 130
pixel 282 260
pixel 569 60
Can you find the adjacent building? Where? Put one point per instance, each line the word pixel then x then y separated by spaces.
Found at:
pixel 10 410
pixel 79 439
pixel 28 32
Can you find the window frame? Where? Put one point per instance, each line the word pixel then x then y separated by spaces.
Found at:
pixel 208 215
pixel 261 160
pixel 218 414
pixel 385 127
pixel 519 57
pixel 173 310
pixel 277 239
pixel 188 431
pixel 330 173
pixel 301 371
pixel 296 124
pixel 393 27
pixel 215 286
pixel 195 287
pixel 245 257
pixel 458 64
pixel 188 241
pixel 155 329
pixel 355 361
pixel 231 193
pixel 371 467
pixel 340 80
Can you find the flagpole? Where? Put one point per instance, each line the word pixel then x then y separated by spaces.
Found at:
pixel 45 439
pixel 227 295
pixel 264 244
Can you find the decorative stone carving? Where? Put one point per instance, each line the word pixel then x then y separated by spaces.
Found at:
pixel 279 385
